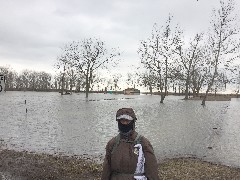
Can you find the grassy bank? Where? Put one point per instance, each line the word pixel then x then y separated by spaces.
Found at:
pixel 187 168
pixel 25 165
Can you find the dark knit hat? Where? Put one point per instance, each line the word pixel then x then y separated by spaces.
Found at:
pixel 126 113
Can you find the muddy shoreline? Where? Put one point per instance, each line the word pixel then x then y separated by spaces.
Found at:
pixel 26 165
pixel 16 165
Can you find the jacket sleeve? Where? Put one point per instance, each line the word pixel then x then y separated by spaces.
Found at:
pixel 151 166
pixel 106 174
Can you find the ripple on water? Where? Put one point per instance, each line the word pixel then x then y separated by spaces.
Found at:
pixel 72 125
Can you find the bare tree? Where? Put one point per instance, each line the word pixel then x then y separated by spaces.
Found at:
pixel 44 80
pixel 80 83
pixel 63 63
pixel 189 59
pixel 197 79
pixel 150 80
pixel 72 74
pixel 10 76
pixel 222 43
pixel 116 79
pixel 131 80
pixel 156 52
pixel 24 79
pixel 88 56
pixel 57 81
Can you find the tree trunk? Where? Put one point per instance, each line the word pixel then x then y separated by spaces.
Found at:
pixel 150 89
pixel 166 74
pixel 115 87
pixel 71 85
pixel 63 79
pixel 205 96
pixel 186 92
pixel 194 93
pixel 162 98
pixel 62 88
pixel 88 80
pixel 87 86
pixel 197 91
pixel 204 100
pixel 187 86
pixel 208 89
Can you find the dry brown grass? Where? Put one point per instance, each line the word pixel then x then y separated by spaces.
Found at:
pixel 186 168
pixel 25 165
pixel 43 166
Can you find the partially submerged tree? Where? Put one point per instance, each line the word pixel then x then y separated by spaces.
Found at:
pixel 63 62
pixel 189 59
pixel 116 78
pixel 156 52
pixel 197 80
pixel 149 80
pixel 131 80
pixel 88 56
pixel 222 44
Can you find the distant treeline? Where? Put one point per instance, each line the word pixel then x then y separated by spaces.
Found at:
pixel 29 80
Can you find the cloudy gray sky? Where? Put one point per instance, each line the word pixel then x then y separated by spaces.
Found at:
pixel 32 31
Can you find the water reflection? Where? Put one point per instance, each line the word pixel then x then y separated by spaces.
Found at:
pixel 227 136
pixel 71 125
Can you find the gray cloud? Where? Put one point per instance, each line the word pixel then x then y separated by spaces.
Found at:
pixel 32 31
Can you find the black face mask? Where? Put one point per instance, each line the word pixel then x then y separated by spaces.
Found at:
pixel 124 128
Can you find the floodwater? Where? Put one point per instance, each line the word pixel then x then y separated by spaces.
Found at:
pixel 72 125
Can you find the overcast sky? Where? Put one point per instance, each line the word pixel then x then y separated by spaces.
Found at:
pixel 32 31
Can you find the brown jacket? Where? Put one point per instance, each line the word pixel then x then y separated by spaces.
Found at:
pixel 121 163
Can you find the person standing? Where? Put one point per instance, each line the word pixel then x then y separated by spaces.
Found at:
pixel 129 155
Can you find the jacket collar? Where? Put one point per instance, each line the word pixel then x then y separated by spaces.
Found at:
pixel 131 136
